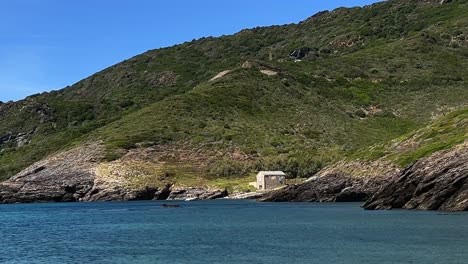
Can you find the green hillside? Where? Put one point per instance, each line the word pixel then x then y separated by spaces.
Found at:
pixel 444 132
pixel 294 97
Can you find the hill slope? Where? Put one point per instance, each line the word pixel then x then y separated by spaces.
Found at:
pixel 294 97
pixel 386 176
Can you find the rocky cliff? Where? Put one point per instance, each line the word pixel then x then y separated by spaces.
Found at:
pixel 425 169
pixel 439 182
pixel 77 176
pixel 342 182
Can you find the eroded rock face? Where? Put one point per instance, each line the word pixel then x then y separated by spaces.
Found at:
pixel 342 182
pixel 328 188
pixel 75 176
pixel 299 54
pixel 439 182
pixel 245 196
pixel 19 139
pixel 119 194
pixel 197 194
pixel 65 177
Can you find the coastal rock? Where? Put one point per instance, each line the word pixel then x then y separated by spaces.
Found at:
pixel 66 177
pixel 246 196
pixel 192 194
pixel 74 176
pixel 162 194
pixel 328 188
pixel 439 182
pixel 342 182
pixel 118 194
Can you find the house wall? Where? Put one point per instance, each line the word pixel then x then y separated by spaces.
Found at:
pixel 272 182
pixel 260 182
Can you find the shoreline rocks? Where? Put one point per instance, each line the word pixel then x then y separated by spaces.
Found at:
pixel 71 176
pixel 245 196
pixel 439 182
pixel 327 188
pixel 353 181
pixel 193 194
pixel 10 194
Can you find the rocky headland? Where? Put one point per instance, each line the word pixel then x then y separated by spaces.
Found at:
pixel 342 182
pixel 438 182
pixel 77 175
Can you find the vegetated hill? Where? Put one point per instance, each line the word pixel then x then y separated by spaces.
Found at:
pixel 294 97
pixel 444 132
pixel 379 176
pixel 438 180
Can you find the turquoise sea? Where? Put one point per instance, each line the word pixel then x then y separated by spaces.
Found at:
pixel 228 232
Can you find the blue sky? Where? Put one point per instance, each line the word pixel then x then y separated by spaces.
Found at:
pixel 49 44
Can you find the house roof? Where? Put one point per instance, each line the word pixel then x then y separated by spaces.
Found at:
pixel 271 173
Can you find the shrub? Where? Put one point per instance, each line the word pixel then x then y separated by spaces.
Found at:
pixel 454 44
pixel 229 168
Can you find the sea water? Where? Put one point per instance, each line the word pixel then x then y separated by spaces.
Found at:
pixel 228 232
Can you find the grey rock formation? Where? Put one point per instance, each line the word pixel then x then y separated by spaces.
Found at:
pixel 197 194
pixel 116 194
pixel 328 188
pixel 62 178
pixel 245 196
pixel 299 54
pixel 18 139
pixel 344 181
pixel 72 176
pixel 439 182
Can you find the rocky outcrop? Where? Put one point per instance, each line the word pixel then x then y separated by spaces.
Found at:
pixel 439 182
pixel 245 196
pixel 65 177
pixel 307 53
pixel 299 54
pixel 18 140
pixel 343 182
pixel 192 194
pixel 269 72
pixel 76 176
pixel 220 75
pixel 119 194
pixel 328 188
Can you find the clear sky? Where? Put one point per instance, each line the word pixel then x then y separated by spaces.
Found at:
pixel 49 44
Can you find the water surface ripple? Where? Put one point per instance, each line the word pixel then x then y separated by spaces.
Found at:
pixel 228 232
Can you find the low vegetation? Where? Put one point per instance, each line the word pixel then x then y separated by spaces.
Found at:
pixel 368 75
pixel 444 132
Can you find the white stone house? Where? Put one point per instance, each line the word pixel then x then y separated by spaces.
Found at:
pixel 269 180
